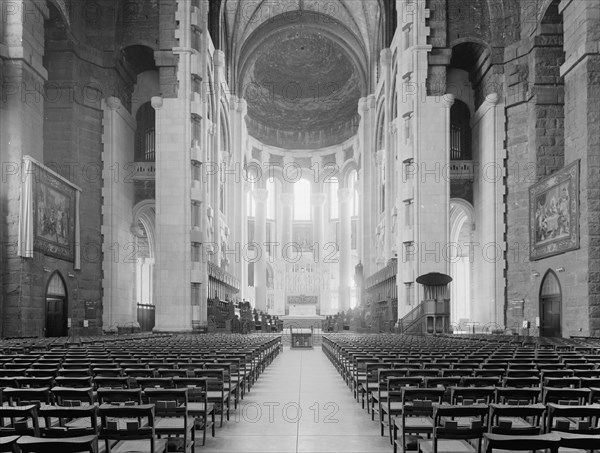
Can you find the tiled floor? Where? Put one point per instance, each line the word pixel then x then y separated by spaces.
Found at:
pixel 300 404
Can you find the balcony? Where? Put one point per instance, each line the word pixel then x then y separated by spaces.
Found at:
pixel 462 169
pixel 144 171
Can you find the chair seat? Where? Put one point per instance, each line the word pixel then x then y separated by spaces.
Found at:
pixel 447 446
pixel 200 408
pixel 375 395
pixel 70 444
pixel 172 425
pixel 8 440
pixel 139 446
pixel 217 396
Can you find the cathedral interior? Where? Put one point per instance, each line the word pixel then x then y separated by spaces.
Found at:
pixel 189 188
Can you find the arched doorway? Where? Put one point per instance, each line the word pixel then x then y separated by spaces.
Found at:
pixel 550 306
pixel 461 263
pixel 56 307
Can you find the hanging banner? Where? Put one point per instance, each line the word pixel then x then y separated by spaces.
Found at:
pixel 49 220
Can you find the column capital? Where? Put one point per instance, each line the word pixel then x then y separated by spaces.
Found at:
pixel 345 195
pixel 113 103
pixel 448 100
pixel 260 195
pixel 287 199
pixel 219 58
pixel 492 98
pixel 386 57
pixel 156 102
pixel 318 199
pixel 371 101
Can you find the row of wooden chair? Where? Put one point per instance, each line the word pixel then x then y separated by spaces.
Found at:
pixel 383 370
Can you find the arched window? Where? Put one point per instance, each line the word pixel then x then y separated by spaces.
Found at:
pixel 302 192
pixel 460 132
pixel 145 135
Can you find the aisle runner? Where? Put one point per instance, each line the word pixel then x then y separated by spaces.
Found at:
pixel 299 404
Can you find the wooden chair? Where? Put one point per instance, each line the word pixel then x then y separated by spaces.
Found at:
pixel 585 442
pixel 29 444
pixel 198 405
pixel 581 419
pixel 453 426
pixel 392 406
pixel 70 421
pixel 217 394
pixel 68 396
pixel 172 417
pixel 506 442
pixel 526 420
pixel 467 396
pixel 417 413
pixel 516 396
pixel 21 420
pixel 156 382
pixel 20 397
pixel 116 424
pixel 119 396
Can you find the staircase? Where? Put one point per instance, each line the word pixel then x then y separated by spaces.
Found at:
pixel 414 321
pixel 429 317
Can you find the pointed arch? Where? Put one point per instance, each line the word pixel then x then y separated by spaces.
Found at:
pixel 57 306
pixel 550 305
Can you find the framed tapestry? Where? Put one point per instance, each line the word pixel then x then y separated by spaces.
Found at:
pixel 554 213
pixel 54 214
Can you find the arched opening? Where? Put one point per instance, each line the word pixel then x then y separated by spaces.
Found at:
pixel 461 263
pixel 302 193
pixel 143 233
pixel 57 307
pixel 550 306
pixel 145 134
pixel 460 132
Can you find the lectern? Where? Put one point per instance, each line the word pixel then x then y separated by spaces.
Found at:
pixel 301 338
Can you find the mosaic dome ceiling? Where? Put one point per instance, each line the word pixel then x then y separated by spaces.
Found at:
pixel 302 74
pixel 302 82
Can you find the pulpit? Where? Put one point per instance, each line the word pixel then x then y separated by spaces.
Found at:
pixel 302 338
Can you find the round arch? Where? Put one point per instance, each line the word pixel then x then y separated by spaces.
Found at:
pixel 461 266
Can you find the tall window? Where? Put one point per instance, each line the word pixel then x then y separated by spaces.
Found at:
pixel 145 136
pixel 333 198
pixel 352 185
pixel 302 200
pixel 272 189
pixel 460 132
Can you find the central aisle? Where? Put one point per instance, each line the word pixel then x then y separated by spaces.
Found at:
pixel 299 404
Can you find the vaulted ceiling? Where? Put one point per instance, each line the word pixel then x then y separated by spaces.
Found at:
pixel 302 66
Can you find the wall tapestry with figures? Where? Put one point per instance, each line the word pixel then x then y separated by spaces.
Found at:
pixel 554 213
pixel 49 221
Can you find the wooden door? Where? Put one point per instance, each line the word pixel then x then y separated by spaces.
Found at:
pixel 56 307
pixel 550 306
pixel 55 317
pixel 550 317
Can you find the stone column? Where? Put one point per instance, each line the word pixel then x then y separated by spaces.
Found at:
pixel 287 203
pixel 219 64
pixel 390 154
pixel 581 72
pixel 317 201
pixel 260 238
pixel 345 203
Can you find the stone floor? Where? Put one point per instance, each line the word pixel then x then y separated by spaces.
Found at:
pixel 300 404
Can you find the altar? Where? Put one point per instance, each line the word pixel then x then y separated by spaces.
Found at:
pixel 303 310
